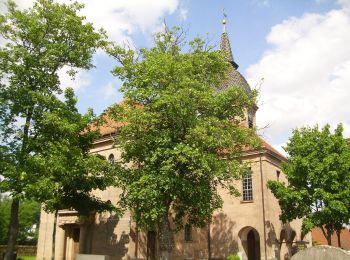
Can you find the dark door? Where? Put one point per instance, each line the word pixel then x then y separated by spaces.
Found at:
pixel 75 236
pixel 151 245
pixel 251 246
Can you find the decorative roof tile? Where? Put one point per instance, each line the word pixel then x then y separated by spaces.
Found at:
pixel 235 79
pixel 225 47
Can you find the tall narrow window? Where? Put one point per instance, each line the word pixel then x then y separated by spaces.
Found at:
pixel 111 158
pixel 278 173
pixel 247 187
pixel 188 232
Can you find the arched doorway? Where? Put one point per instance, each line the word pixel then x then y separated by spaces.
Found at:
pixel 250 240
pixel 251 245
pixel 151 245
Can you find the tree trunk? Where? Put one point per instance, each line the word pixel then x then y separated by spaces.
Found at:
pixel 54 236
pixel 327 234
pixel 13 230
pixel 338 236
pixel 289 247
pixel 329 238
pixel 14 226
pixel 166 239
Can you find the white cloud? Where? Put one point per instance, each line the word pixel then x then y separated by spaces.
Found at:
pixel 110 91
pixel 183 13
pixel 120 19
pixel 306 72
pixel 265 3
pixel 2 6
pixel 123 17
pixel 279 148
pixel 81 79
pixel 344 3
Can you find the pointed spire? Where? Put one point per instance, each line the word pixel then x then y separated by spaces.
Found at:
pixel 225 44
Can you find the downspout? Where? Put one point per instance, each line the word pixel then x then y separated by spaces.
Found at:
pixel 263 205
pixel 137 243
pixel 53 249
pixel 209 241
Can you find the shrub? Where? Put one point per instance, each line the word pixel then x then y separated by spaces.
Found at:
pixel 233 257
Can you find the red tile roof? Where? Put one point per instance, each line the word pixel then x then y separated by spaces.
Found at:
pixel 265 147
pixel 270 148
pixel 110 126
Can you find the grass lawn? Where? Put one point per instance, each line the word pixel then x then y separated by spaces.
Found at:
pixel 26 257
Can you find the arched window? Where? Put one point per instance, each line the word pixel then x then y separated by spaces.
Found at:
pixel 247 187
pixel 111 158
pixel 188 232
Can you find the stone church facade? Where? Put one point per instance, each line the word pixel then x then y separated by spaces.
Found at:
pixel 248 226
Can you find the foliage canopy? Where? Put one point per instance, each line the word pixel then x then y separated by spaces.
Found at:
pixel 181 134
pixel 318 174
pixel 44 141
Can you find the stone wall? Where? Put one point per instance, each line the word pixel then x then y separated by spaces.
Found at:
pixel 21 250
pixel 322 253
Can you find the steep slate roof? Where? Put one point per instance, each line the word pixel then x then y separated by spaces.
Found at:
pixel 234 77
pixel 225 47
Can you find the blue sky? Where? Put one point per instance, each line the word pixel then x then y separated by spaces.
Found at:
pixel 299 47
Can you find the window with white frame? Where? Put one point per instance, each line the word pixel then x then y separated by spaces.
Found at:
pixel 247 187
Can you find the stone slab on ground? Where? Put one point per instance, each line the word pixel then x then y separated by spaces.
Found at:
pixel 322 253
pixel 92 257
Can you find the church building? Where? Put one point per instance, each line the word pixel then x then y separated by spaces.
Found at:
pixel 247 226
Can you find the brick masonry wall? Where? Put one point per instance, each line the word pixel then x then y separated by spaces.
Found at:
pixel 318 236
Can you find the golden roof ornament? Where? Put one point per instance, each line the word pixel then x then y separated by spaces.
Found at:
pixel 224 20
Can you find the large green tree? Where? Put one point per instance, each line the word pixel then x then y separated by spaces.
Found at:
pixel 65 171
pixel 181 139
pixel 39 42
pixel 318 174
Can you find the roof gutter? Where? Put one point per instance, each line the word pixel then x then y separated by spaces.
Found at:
pixel 263 204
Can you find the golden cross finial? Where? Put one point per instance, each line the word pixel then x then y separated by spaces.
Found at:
pixel 224 19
